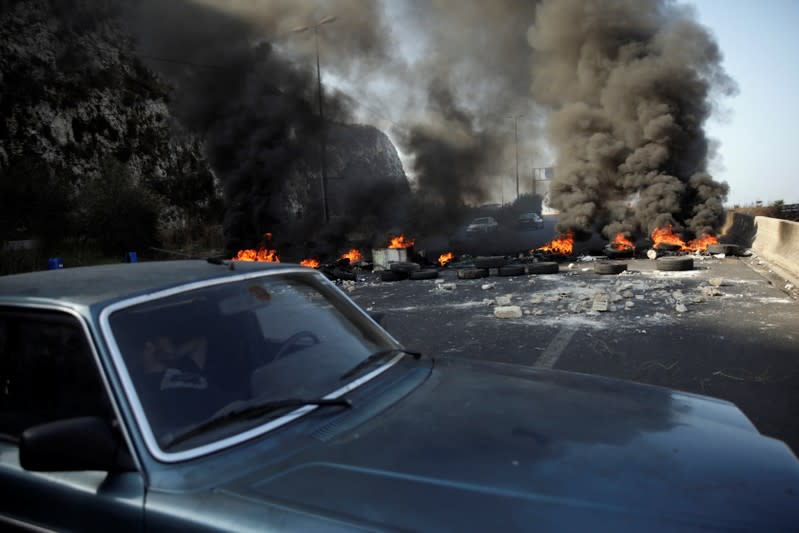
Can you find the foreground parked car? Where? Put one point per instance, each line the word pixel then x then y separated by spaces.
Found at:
pixel 253 397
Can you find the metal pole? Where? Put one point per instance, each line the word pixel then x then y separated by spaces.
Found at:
pixel 322 134
pixel 516 133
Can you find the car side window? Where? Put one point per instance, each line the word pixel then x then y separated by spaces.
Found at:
pixel 47 372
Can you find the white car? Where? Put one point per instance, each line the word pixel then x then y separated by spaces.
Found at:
pixel 482 225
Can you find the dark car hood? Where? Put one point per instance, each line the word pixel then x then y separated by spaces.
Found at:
pixel 484 447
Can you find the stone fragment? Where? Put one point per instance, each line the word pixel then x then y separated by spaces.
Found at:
pixel 628 294
pixel 537 299
pixel 503 300
pixel 629 304
pixel 488 286
pixel 508 311
pixel 600 302
pixel 717 282
pixel 680 308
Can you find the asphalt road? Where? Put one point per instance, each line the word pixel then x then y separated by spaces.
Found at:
pixel 738 342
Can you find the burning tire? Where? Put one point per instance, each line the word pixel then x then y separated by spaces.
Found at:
pixel 609 268
pixel 390 275
pixel 404 267
pixel 472 273
pixel 491 261
pixel 667 247
pixel 726 249
pixel 675 264
pixel 424 274
pixel 546 267
pixel 613 253
pixel 511 270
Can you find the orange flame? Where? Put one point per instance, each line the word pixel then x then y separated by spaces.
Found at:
pixel 401 242
pixel 313 263
pixel 666 235
pixel 353 255
pixel 621 242
pixel 562 245
pixel 701 244
pixel 263 254
pixel 443 259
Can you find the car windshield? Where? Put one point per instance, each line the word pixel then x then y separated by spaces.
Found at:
pixel 195 354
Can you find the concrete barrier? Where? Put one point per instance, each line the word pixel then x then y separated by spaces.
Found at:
pixel 777 241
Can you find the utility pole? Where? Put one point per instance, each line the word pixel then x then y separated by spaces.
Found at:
pixel 516 137
pixel 322 132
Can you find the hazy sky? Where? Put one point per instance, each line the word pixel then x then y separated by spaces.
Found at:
pixel 759 132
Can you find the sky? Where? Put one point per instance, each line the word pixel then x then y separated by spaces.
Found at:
pixel 758 129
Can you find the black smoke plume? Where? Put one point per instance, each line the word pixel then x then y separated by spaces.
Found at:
pixel 631 84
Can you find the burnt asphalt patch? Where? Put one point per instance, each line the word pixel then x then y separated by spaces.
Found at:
pixel 737 341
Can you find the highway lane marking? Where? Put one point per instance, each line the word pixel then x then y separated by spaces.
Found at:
pixel 555 348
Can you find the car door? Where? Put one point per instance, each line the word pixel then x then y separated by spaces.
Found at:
pixel 48 372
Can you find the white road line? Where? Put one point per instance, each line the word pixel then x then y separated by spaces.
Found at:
pixel 555 348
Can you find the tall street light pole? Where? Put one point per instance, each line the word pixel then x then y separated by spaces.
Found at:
pixel 516 136
pixel 322 133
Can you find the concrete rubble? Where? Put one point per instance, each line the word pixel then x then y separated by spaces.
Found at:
pixel 503 300
pixel 508 311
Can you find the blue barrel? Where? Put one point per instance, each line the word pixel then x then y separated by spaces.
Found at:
pixel 131 257
pixel 54 263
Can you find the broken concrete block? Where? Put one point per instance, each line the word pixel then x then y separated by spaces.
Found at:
pixel 487 286
pixel 600 302
pixel 680 308
pixel 508 311
pixel 711 291
pixel 503 300
pixel 639 296
pixel 536 299
pixel 716 282
pixel 628 294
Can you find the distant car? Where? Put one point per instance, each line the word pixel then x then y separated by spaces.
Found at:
pixel 530 221
pixel 482 225
pixel 190 396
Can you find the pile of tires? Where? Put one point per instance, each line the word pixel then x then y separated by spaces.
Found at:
pixel 544 267
pixel 472 273
pixel 406 270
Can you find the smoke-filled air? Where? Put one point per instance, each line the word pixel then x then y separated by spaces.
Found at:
pixel 630 84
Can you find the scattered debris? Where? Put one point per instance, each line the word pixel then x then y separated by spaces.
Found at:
pixel 629 304
pixel 717 282
pixel 789 286
pixel 616 297
pixel 503 300
pixel 447 286
pixel 488 302
pixel 600 302
pixel 628 294
pixel 711 291
pixel 508 311
pixel 681 308
pixel 537 299
pixel 488 286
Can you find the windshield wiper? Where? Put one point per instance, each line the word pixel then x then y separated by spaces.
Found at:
pixel 253 411
pixel 382 354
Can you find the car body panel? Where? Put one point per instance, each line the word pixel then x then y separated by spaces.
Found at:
pixel 445 445
pixel 482 225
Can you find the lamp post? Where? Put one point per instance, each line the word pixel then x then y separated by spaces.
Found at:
pixel 322 134
pixel 516 137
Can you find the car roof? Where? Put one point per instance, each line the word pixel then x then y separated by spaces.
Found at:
pixel 105 283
